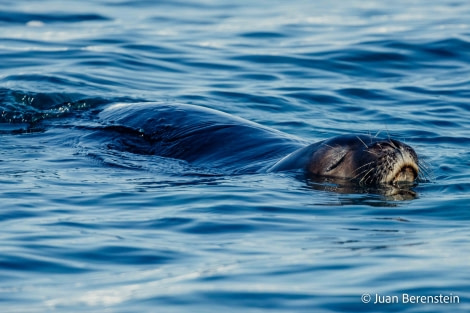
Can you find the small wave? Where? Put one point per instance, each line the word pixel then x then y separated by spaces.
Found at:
pixel 12 17
pixel 38 265
pixel 263 35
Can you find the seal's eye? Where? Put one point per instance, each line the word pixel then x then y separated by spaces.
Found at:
pixel 335 164
pixel 336 158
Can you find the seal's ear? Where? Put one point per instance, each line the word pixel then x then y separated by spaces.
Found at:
pixel 335 158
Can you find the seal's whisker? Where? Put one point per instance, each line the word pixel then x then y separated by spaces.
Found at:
pixel 377 134
pixel 362 141
pixel 390 141
pixel 371 162
pixel 425 173
pixel 365 176
pixel 362 172
pixel 372 152
pixel 369 179
pixel 424 165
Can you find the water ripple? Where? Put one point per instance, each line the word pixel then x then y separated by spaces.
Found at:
pixel 11 17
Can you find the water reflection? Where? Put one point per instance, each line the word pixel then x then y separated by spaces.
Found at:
pixel 343 186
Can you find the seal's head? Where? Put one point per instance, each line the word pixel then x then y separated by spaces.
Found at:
pixel 365 159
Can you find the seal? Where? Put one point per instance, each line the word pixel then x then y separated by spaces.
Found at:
pixel 212 139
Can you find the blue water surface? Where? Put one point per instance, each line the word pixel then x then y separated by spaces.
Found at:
pixel 84 229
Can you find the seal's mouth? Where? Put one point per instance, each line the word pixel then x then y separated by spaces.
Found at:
pixel 406 173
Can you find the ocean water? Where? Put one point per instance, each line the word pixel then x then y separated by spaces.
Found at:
pixel 88 229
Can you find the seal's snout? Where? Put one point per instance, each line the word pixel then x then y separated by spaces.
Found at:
pixel 407 174
pixel 393 161
pixel 405 167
